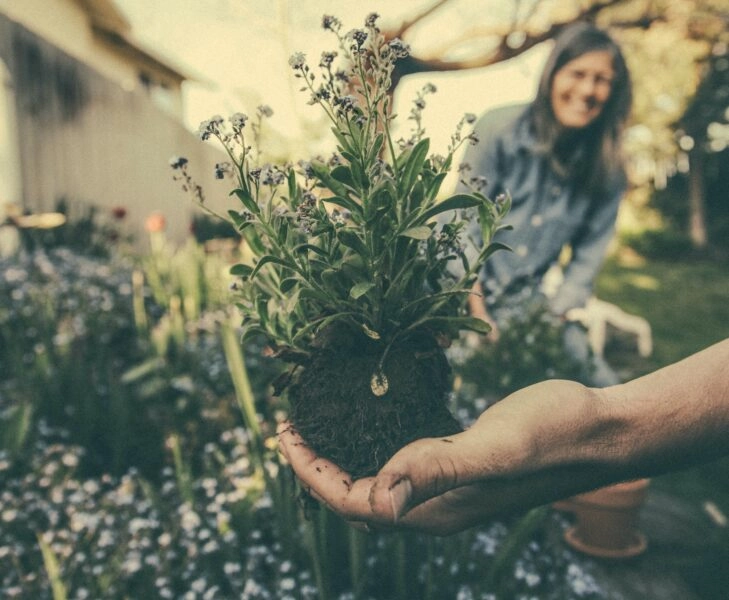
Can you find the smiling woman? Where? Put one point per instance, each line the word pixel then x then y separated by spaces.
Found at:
pixel 559 158
pixel 581 88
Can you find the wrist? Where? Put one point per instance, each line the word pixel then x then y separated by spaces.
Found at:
pixel 606 430
pixel 578 427
pixel 551 424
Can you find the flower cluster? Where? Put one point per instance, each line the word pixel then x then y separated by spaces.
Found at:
pixel 416 115
pixel 188 184
pixel 87 344
pixel 122 536
pixel 116 537
pixel 458 138
pixel 53 300
pixel 221 523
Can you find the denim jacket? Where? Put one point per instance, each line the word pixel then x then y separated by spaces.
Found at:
pixel 547 213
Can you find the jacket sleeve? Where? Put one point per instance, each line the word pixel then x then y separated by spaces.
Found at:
pixel 588 252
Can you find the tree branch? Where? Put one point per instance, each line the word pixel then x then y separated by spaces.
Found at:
pixel 502 49
pixel 407 24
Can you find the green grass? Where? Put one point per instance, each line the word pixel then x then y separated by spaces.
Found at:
pixel 687 305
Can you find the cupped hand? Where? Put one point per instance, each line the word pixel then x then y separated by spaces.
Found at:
pixel 434 501
pixel 522 452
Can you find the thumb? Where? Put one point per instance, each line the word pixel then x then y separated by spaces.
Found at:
pixel 421 470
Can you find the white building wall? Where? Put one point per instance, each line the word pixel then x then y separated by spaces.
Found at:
pixel 10 175
pixel 84 139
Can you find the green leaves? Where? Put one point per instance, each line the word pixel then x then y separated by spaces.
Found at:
pixel 422 232
pixel 412 167
pixel 327 179
pixel 247 201
pixel 375 149
pixel 354 238
pixel 454 324
pixel 269 258
pixel 452 203
pixel 241 270
pixel 288 284
pixel 490 216
pixel 351 239
pixel 347 203
pixel 302 248
pixel 360 289
pixel 380 202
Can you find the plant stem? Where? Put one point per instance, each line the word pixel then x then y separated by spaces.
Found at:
pixel 357 558
pixel 53 570
pixel 182 473
pixel 401 586
pixel 513 544
pixel 317 536
pixel 243 391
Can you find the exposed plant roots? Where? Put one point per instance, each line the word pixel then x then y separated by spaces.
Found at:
pixel 333 408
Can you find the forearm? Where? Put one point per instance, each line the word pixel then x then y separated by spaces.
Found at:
pixel 675 417
pixel 670 419
pixel 547 441
pixel 561 438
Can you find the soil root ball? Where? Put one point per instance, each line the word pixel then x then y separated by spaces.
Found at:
pixel 333 408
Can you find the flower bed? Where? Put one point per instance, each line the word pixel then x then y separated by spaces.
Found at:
pixel 173 496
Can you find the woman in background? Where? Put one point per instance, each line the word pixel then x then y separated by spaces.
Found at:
pixel 559 158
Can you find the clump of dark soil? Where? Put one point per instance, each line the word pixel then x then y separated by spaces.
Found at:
pixel 334 409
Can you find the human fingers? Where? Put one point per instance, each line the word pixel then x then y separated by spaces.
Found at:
pixel 323 479
pixel 492 448
pixel 448 513
pixel 422 470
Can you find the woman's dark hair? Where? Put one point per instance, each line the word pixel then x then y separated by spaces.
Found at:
pixel 601 140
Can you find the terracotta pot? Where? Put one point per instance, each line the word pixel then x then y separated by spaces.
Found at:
pixel 607 519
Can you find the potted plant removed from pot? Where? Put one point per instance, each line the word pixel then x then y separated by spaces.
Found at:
pixel 350 275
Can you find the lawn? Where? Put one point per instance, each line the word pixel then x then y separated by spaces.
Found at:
pixel 686 303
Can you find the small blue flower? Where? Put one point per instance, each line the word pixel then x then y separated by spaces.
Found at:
pixel 297 60
pixel 178 162
pixel 238 121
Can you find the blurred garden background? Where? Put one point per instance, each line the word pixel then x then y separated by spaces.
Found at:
pixel 137 448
